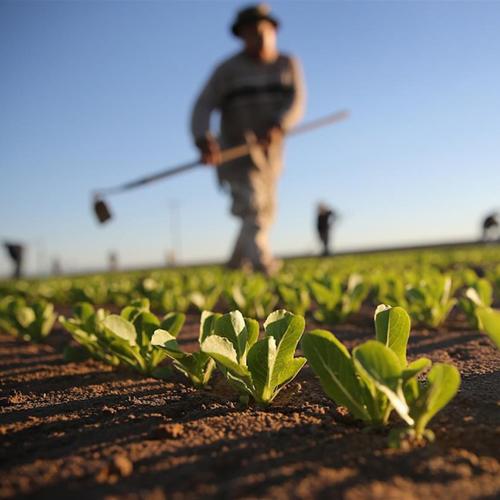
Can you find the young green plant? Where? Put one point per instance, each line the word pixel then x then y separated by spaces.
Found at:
pixel 479 295
pixel 85 326
pixel 257 369
pixel 335 301
pixel 489 322
pixel 196 366
pixel 32 321
pixel 376 379
pixel 126 337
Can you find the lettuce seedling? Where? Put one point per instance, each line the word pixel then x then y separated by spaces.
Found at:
pixel 32 322
pixel 256 368
pixel 85 326
pixel 430 301
pixel 334 302
pixel 165 296
pixel 173 299
pixel 129 336
pixel 93 290
pixel 376 379
pixel 251 296
pixel 489 322
pixel 196 366
pixel 392 290
pixel 366 381
pixel 205 300
pixel 425 399
pixel 480 294
pixel 295 298
pixel 126 337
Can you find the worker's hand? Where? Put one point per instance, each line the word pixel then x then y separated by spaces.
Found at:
pixel 273 134
pixel 210 151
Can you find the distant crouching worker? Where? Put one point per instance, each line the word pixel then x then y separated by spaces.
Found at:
pixel 325 219
pixel 15 251
pixel 491 227
pixel 259 93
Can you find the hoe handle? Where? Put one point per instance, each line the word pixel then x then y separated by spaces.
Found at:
pixel 227 155
pixel 153 177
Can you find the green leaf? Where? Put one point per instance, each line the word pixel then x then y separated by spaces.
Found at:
pixel 473 296
pixel 83 311
pixel 489 322
pixel 173 323
pixel 223 351
pixel 411 386
pixel 443 383
pixel 25 316
pixel 261 360
pixel 415 367
pixel 198 299
pixel 392 328
pixel 47 319
pixel 128 354
pixel 135 308
pixel 198 367
pixel 276 323
pixel 232 327
pixel 381 366
pixel 252 327
pixel 325 296
pixel 485 292
pixel 145 323
pixel 207 324
pixel 142 304
pixel 163 339
pixel 287 329
pixel 332 363
pixel 121 328
pixel 291 370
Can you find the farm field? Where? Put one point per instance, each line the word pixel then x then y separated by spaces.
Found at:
pixel 98 427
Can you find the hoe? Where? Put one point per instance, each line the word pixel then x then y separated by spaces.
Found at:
pixel 103 212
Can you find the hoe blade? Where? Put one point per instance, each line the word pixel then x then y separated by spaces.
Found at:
pixel 101 211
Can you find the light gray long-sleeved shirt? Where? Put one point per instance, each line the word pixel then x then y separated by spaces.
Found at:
pixel 249 95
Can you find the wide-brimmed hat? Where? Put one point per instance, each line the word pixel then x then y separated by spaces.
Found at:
pixel 253 14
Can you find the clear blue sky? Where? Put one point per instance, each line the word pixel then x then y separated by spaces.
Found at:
pixel 96 93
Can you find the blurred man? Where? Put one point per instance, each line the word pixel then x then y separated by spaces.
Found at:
pixel 324 221
pixel 259 93
pixel 56 267
pixel 15 251
pixel 113 261
pixel 491 227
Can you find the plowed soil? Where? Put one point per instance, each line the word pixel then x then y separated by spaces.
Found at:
pixel 83 430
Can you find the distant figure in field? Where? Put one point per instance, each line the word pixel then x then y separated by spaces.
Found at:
pixel 113 261
pixel 15 251
pixel 56 267
pixel 491 227
pixel 259 94
pixel 325 219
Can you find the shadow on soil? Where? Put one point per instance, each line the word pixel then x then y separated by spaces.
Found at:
pixel 254 465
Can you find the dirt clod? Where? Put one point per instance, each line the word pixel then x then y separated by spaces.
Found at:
pixel 122 465
pixel 169 431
